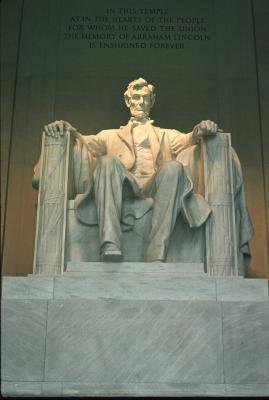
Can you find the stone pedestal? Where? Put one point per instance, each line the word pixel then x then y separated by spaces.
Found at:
pixel 103 331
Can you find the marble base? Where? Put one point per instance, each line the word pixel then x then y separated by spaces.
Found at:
pixel 104 335
pixel 85 389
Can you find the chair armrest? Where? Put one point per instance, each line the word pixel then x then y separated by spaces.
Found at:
pixel 221 238
pixel 54 186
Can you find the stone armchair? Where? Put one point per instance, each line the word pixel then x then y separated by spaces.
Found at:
pixel 221 244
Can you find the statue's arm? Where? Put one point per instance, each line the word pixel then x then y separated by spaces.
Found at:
pixel 180 141
pixel 57 129
pixel 96 144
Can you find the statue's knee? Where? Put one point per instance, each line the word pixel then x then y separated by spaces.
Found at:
pixel 106 161
pixel 173 167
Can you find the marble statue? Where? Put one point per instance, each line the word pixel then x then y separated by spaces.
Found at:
pixel 144 165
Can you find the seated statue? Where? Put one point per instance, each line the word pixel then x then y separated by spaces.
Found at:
pixel 137 164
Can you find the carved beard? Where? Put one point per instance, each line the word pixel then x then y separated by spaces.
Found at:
pixel 139 113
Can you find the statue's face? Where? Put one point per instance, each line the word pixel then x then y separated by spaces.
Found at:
pixel 140 102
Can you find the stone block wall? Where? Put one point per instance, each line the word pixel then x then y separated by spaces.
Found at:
pixel 135 333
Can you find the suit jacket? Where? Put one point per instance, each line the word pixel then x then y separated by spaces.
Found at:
pixel 166 144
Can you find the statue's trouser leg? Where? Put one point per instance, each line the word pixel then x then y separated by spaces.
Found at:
pixel 109 176
pixel 167 189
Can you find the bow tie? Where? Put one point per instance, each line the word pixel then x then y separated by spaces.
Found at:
pixel 144 121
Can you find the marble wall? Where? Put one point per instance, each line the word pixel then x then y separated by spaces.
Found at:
pixel 101 335
pixel 47 77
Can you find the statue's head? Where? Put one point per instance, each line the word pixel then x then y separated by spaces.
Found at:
pixel 140 98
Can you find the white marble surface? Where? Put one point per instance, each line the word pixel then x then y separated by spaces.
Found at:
pixel 134 242
pixel 27 287
pixel 23 332
pixel 134 341
pixel 246 342
pixel 236 289
pixel 78 389
pixel 136 267
pixel 154 340
pixel 133 281
pixel 247 390
pixel 82 243
pixel 21 389
pixel 134 286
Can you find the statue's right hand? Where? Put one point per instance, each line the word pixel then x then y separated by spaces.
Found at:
pixel 56 129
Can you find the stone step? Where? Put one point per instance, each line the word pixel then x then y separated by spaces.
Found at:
pixel 87 268
pixel 151 389
pixel 135 286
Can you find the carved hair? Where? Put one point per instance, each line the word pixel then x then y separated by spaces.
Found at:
pixel 138 84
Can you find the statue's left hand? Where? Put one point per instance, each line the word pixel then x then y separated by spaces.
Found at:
pixel 206 128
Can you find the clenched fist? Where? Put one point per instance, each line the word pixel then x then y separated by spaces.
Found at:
pixel 206 128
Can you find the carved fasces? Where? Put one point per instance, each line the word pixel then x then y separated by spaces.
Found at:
pixel 221 246
pixel 52 204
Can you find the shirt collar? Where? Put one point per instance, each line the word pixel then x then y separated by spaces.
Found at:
pixel 136 122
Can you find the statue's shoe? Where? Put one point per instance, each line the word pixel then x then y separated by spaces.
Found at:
pixel 111 253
